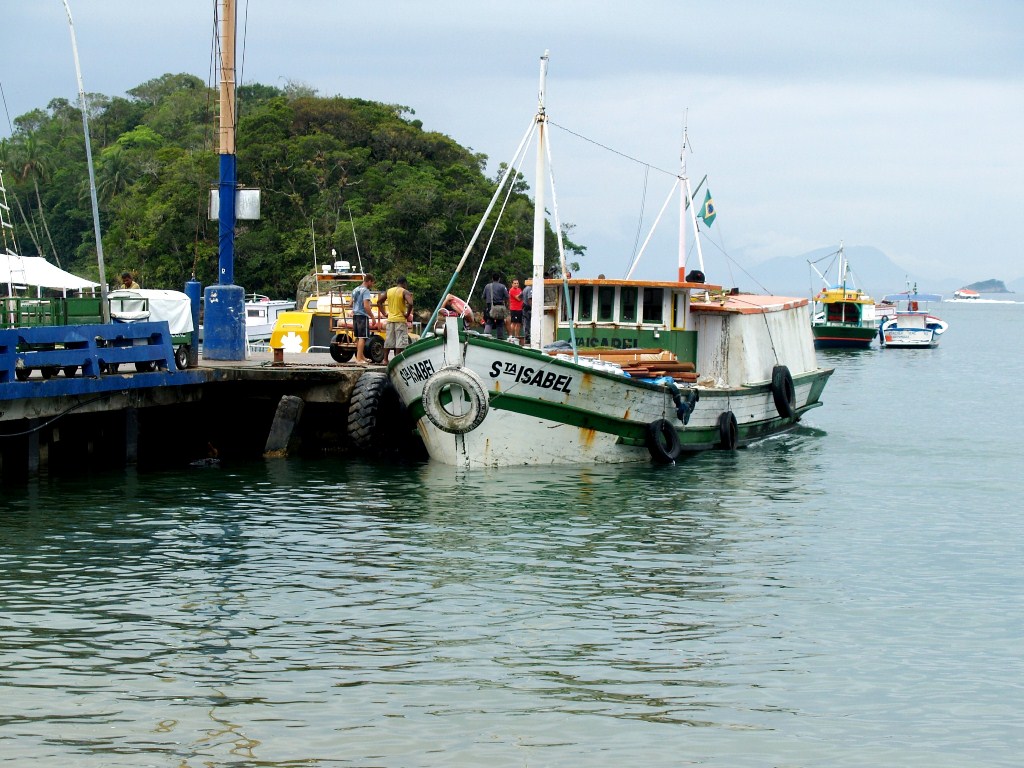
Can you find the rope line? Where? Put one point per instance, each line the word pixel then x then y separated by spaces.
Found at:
pixel 640 222
pixel 673 174
pixel 63 413
pixel 508 194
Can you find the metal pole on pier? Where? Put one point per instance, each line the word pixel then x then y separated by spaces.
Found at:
pixel 104 309
pixel 224 315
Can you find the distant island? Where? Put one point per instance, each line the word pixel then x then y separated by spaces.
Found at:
pixel 989 286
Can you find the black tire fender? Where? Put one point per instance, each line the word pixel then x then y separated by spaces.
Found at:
pixel 461 378
pixel 663 441
pixel 783 392
pixel 364 408
pixel 728 431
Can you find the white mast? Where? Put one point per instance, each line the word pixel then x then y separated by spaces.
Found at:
pixel 682 214
pixel 537 300
pixel 104 309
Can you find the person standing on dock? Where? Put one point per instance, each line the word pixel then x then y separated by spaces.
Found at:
pixel 495 306
pixel 128 282
pixel 362 311
pixel 396 305
pixel 515 306
pixel 527 297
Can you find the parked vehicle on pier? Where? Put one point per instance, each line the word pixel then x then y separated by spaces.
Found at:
pixel 137 305
pixel 324 324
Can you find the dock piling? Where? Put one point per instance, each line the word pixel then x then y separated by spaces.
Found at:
pixel 282 437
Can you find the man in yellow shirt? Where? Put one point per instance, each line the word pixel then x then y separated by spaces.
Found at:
pixel 396 304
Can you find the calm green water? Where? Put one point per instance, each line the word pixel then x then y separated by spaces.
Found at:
pixel 849 594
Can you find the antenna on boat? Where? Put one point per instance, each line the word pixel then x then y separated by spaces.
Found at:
pixel 104 309
pixel 316 267
pixel 355 239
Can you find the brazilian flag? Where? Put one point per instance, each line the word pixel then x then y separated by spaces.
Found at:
pixel 707 211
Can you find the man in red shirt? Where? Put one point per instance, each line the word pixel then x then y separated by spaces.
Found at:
pixel 515 306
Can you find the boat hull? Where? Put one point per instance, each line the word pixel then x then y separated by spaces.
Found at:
pixel 546 410
pixel 911 332
pixel 843 337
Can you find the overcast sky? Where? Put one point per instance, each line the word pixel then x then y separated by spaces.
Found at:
pixel 893 124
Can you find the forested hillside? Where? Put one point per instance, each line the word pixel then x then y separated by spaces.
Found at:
pixel 415 196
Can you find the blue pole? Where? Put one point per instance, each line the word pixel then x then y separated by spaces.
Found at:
pixel 226 192
pixel 224 312
pixel 194 291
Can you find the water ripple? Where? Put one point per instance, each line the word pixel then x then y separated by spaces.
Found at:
pixel 789 604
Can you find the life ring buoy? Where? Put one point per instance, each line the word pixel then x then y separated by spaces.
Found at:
pixel 783 391
pixel 451 378
pixel 728 431
pixel 663 441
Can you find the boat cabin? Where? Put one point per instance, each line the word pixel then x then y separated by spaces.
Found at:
pixel 627 314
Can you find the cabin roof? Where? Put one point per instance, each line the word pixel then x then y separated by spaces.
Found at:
pixel 636 283
pixel 833 295
pixel 747 304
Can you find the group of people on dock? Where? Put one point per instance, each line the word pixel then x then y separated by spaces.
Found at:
pixel 506 313
pixel 507 310
pixel 394 306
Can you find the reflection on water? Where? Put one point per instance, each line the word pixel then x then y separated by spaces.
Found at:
pixel 789 604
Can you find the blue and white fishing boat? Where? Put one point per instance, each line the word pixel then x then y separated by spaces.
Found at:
pixel 910 325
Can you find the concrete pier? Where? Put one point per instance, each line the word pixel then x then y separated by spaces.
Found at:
pixel 172 418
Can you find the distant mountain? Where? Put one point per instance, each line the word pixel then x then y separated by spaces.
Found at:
pixel 872 270
pixel 989 286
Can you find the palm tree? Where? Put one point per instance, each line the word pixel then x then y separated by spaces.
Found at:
pixel 7 160
pixel 34 165
pixel 114 172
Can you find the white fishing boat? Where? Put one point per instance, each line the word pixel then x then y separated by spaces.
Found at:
pixel 261 313
pixel 908 324
pixel 641 370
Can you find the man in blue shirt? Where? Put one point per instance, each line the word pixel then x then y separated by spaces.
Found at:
pixel 362 311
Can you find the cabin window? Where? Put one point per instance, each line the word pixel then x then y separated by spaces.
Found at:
pixel 567 312
pixel 679 310
pixel 653 305
pixel 627 305
pixel 586 303
pixel 605 304
pixel 843 313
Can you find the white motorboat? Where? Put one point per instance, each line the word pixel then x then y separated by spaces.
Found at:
pixel 907 322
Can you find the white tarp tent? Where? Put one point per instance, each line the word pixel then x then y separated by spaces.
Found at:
pixel 140 304
pixel 39 273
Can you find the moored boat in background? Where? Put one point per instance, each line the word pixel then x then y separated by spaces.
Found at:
pixel 844 316
pixel 261 314
pixel 965 294
pixel 910 325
